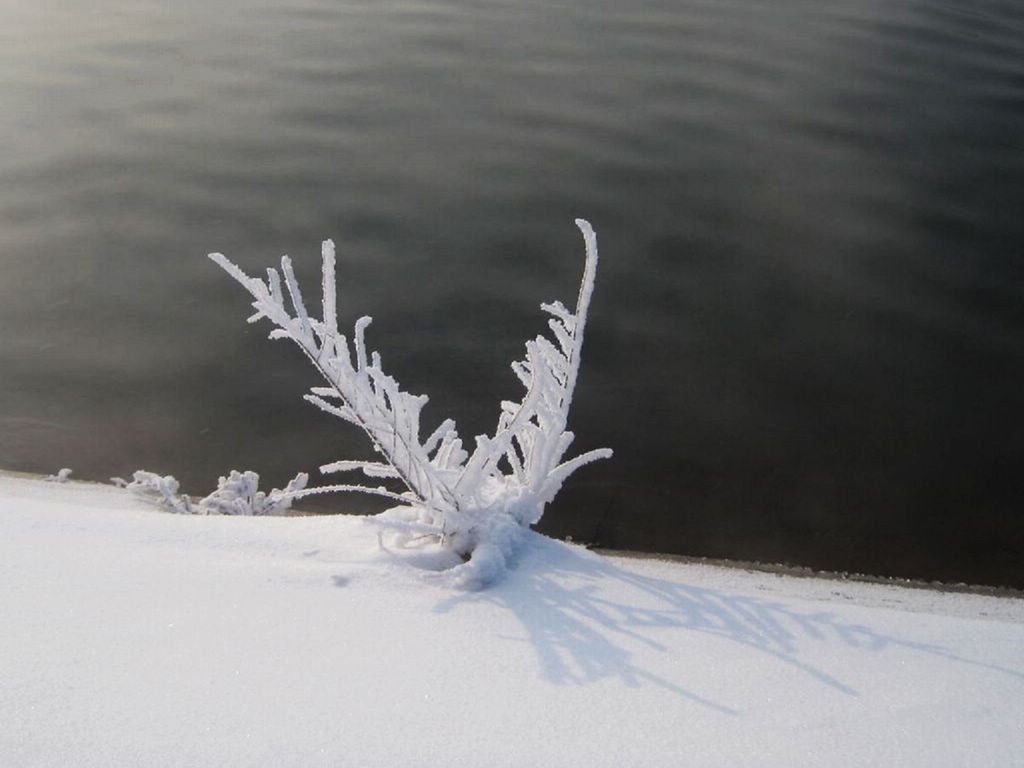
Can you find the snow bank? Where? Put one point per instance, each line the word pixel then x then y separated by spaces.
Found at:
pixel 133 637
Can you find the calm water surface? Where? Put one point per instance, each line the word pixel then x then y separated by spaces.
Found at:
pixel 807 341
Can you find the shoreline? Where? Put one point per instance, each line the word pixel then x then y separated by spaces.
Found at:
pixel 750 566
pixel 806 572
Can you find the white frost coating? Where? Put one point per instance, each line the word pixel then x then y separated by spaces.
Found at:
pixel 478 503
pixel 161 488
pixel 62 476
pixel 236 494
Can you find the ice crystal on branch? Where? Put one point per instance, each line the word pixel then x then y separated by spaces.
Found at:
pixel 476 503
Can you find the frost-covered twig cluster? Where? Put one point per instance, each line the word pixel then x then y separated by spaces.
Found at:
pixel 477 503
pixel 236 494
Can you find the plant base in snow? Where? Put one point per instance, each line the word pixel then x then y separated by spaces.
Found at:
pixel 476 503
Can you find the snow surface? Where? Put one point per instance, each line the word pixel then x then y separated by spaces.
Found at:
pixel 135 637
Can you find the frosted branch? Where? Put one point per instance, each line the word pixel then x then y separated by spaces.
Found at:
pixel 476 503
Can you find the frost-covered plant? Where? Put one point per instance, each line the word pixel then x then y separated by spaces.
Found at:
pixel 160 488
pixel 239 494
pixel 236 494
pixel 479 503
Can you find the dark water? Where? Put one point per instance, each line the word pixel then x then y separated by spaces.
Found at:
pixel 807 341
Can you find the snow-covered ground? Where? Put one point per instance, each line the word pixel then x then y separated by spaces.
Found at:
pixel 134 637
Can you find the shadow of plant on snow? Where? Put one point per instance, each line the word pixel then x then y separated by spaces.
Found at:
pixel 582 633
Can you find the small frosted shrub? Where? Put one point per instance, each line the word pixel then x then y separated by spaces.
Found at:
pixel 63 475
pixel 162 489
pixel 476 502
pixel 236 494
pixel 239 494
